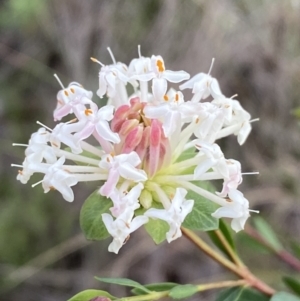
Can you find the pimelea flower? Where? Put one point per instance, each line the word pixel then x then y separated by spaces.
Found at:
pixel 151 148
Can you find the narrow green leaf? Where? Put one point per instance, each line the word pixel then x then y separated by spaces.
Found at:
pixel 251 243
pixel 124 282
pixel 267 232
pixel 90 216
pixel 296 112
pixel 155 287
pixel 241 294
pixel 183 291
pixel 296 249
pixel 90 294
pixel 292 283
pixel 200 218
pixel 283 296
pixel 227 234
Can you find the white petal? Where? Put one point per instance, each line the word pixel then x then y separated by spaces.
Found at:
pixel 159 88
pixel 175 76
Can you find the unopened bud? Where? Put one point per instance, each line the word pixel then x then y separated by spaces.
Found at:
pixel 146 199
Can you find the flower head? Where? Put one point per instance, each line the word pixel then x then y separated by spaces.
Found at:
pixel 145 151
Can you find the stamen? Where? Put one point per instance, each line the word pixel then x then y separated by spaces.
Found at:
pixel 59 81
pixel 19 144
pixel 211 66
pixel 16 165
pixel 160 66
pixel 250 173
pixel 235 95
pixel 96 61
pixel 72 121
pixel 66 93
pixel 254 120
pixel 166 98
pixel 88 112
pixel 255 211
pixel 139 51
pixel 44 126
pixel 37 183
pixel 112 55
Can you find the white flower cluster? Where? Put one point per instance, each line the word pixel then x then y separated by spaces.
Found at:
pixel 151 147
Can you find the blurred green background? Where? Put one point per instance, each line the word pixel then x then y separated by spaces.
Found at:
pixel 256 43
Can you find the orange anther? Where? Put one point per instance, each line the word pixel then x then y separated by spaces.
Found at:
pixel 176 97
pixel 88 112
pixel 160 66
pixel 197 120
pixel 166 97
pixel 66 93
pixel 72 90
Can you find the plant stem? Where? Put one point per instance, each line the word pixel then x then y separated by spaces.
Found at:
pixel 240 271
pixel 229 249
pixel 230 283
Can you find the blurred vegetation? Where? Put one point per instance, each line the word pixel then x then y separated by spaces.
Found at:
pixel 257 49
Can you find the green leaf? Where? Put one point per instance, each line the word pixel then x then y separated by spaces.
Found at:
pixel 183 291
pixel 241 294
pixel 224 229
pixel 157 229
pixel 283 296
pixel 267 232
pixel 155 287
pixel 124 282
pixel 90 216
pixel 296 112
pixel 296 248
pixel 251 243
pixel 292 283
pixel 200 218
pixel 90 294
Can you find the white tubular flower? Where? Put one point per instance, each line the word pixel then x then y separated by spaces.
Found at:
pixel 121 227
pixel 175 215
pixel 213 158
pixel 68 97
pixel 171 112
pixel 109 77
pixel 234 178
pixel 203 85
pixel 25 174
pixel 237 209
pixel 94 120
pixel 211 120
pixel 141 69
pixel 58 178
pixel 62 133
pixel 121 165
pixel 159 85
pixel 124 199
pixel 42 136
